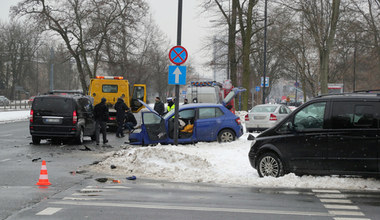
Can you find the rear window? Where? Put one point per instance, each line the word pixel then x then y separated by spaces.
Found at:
pixel 53 105
pixel 109 88
pixel 263 108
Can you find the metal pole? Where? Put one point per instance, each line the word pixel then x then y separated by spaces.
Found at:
pixel 51 79
pixel 354 80
pixel 265 48
pixel 179 32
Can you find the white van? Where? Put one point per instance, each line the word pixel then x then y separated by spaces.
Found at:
pixel 204 94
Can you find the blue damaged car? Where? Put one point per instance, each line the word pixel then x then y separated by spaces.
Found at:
pixel 197 122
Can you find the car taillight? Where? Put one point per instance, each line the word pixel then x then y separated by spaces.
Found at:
pixel 75 117
pixel 272 117
pixel 31 116
pixel 112 118
pixel 238 121
pixel 246 117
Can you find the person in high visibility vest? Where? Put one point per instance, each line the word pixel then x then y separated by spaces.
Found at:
pixel 171 105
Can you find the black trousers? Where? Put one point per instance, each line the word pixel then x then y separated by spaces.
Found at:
pixel 101 126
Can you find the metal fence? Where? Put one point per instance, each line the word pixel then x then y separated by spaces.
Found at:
pixel 16 105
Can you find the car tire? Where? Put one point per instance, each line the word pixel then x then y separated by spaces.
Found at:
pixel 226 135
pixel 79 138
pixel 36 140
pixel 269 164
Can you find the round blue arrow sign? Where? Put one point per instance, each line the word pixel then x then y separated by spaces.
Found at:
pixel 178 55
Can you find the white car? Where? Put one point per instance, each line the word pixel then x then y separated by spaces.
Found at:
pixel 262 117
pixel 4 100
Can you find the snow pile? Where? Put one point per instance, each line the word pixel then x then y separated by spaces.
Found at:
pixel 12 116
pixel 225 163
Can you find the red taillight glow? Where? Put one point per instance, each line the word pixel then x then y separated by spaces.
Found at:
pixel 246 117
pixel 238 121
pixel 272 117
pixel 112 118
pixel 75 117
pixel 31 116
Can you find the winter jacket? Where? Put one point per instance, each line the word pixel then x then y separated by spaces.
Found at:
pixel 159 108
pixel 129 117
pixel 120 108
pixel 101 112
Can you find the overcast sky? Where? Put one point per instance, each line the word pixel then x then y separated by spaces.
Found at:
pixel 194 26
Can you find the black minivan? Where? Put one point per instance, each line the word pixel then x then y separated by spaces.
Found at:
pixel 62 115
pixel 331 134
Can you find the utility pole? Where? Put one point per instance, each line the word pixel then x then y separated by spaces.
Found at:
pixel 265 48
pixel 176 108
pixel 51 76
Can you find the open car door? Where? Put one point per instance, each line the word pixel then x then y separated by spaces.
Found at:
pixel 153 127
pixel 234 92
pixel 139 93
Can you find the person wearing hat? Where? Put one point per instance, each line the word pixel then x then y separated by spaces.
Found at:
pixel 101 118
pixel 159 107
pixel 120 108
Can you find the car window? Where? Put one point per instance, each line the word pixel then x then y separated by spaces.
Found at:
pixel 346 115
pixel 85 105
pixel 209 113
pixel 263 108
pixel 53 105
pixel 283 110
pixel 187 114
pixel 109 88
pixel 151 118
pixel 310 117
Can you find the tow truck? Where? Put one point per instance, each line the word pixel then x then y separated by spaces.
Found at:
pixel 114 87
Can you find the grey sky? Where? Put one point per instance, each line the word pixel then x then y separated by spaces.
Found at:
pixel 194 26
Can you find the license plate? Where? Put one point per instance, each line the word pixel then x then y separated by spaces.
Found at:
pixel 52 120
pixel 259 117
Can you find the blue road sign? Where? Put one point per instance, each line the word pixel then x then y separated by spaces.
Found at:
pixel 177 75
pixel 257 88
pixel 266 81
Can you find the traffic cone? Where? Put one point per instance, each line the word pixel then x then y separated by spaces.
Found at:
pixel 43 181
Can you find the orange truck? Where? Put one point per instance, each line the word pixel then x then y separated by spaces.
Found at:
pixel 114 87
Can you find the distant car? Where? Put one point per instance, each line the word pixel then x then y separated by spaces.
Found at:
pixel 209 122
pixel 262 117
pixel 30 101
pixel 4 100
pixel 58 116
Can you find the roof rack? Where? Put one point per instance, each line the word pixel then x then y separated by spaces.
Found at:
pixel 64 92
pixel 350 93
pixel 367 91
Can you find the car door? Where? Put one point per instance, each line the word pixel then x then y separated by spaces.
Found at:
pixel 153 128
pixel 208 123
pixel 304 139
pixel 86 109
pixel 354 139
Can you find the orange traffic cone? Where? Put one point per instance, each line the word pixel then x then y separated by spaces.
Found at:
pixel 43 181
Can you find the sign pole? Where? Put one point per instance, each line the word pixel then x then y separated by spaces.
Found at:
pixel 179 32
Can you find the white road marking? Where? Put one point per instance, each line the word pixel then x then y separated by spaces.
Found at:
pixel 349 207
pixel 342 201
pixel 5 160
pixel 334 212
pixel 351 218
pixel 191 208
pixel 76 198
pixel 331 196
pixel 49 211
pixel 117 187
pixel 325 191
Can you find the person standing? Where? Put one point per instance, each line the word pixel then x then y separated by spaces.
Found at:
pixel 159 107
pixel 171 105
pixel 185 101
pixel 120 108
pixel 101 118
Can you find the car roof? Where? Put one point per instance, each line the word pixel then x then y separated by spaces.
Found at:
pixel 199 105
pixel 356 95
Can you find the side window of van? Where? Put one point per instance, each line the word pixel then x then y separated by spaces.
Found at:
pixel 310 117
pixel 353 115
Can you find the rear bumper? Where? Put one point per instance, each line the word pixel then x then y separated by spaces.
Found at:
pixel 46 132
pixel 260 126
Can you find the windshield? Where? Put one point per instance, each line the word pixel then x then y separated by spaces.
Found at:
pixel 263 108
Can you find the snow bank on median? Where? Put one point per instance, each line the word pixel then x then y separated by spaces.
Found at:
pixel 11 116
pixel 225 163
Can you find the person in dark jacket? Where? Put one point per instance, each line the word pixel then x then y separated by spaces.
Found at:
pixel 130 121
pixel 101 118
pixel 120 108
pixel 159 107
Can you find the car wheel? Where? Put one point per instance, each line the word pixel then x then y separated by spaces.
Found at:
pixel 226 135
pixel 36 140
pixel 269 164
pixel 79 138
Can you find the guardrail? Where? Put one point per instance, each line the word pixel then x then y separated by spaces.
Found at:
pixel 15 105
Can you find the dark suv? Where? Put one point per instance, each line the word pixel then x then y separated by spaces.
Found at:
pixel 62 115
pixel 333 134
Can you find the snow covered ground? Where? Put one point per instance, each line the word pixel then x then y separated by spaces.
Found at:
pixel 225 163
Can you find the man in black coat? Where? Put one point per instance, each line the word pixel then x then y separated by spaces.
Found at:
pixel 159 106
pixel 101 118
pixel 130 121
pixel 120 107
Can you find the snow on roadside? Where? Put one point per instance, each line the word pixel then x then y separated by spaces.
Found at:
pixel 12 116
pixel 225 163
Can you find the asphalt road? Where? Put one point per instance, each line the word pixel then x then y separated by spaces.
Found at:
pixel 79 196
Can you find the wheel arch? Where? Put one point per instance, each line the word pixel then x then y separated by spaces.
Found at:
pixel 269 148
